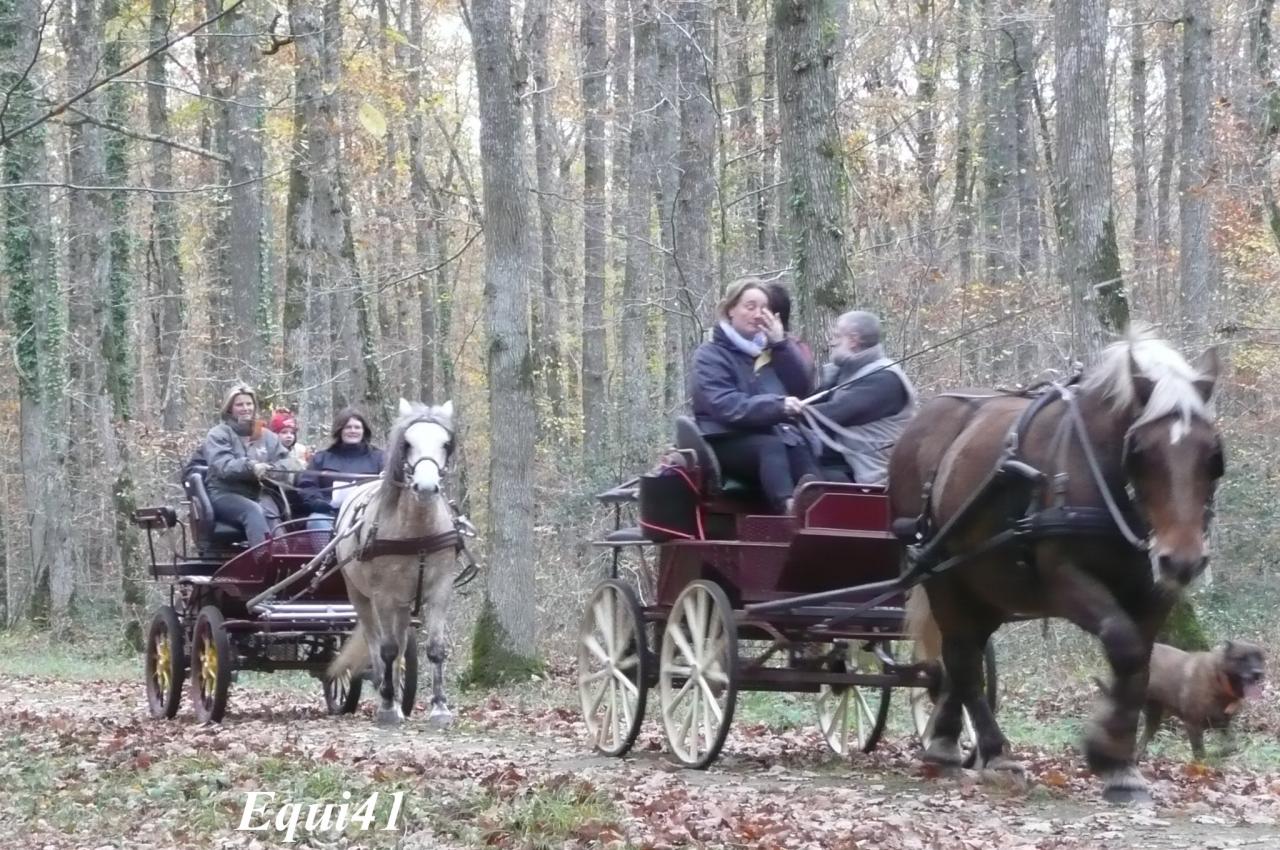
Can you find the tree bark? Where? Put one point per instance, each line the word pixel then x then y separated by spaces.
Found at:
pixel 696 156
pixel 1195 170
pixel 675 298
pixel 746 132
pixel 168 315
pixel 1164 177
pixel 544 167
pixel 1144 259
pixel 812 160
pixel 998 153
pixel 620 76
pixel 634 416
pixel 510 588
pixel 595 414
pixel 1090 264
pixel 962 193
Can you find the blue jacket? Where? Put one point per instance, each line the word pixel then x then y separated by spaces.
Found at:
pixel 317 491
pixel 730 396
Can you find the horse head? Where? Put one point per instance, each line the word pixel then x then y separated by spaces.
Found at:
pixel 1172 455
pixel 421 446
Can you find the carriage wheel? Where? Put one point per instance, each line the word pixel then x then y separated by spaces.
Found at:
pixel 342 695
pixel 211 664
pixel 613 663
pixel 407 674
pixel 165 664
pixel 922 710
pixel 696 673
pixel 853 717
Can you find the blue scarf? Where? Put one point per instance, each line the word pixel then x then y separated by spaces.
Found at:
pixel 751 347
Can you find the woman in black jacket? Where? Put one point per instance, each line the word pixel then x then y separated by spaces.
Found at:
pixel 351 453
pixel 746 385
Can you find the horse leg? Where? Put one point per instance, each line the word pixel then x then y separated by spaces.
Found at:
pixel 386 648
pixel 438 591
pixel 1111 737
pixel 963 657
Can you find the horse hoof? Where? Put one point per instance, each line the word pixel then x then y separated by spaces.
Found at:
pixel 388 717
pixel 945 754
pixel 440 718
pixel 1126 786
pixel 1004 771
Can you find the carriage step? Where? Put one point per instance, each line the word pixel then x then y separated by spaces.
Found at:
pixel 305 611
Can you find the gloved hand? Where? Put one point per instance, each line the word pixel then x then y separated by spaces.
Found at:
pixel 261 469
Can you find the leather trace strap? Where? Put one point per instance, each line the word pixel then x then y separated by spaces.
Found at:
pixel 429 544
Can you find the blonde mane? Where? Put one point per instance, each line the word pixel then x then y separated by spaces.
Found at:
pixel 1173 379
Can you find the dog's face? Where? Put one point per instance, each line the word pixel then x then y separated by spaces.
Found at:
pixel 1243 664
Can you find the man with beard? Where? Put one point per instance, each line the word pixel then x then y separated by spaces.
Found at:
pixel 869 402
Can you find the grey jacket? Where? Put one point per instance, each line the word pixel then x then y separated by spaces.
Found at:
pixel 231 460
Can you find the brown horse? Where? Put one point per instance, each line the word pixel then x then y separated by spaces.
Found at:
pixel 1088 502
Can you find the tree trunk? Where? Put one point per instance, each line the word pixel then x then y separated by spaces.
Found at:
pixel 509 628
pixel 1164 177
pixel 768 209
pixel 746 133
pixel 544 167
pixel 962 194
pixel 36 326
pixel 1195 171
pixel 927 70
pixel 999 147
pixel 1144 259
pixel 695 158
pixel 635 418
pixel 620 76
pixel 812 165
pixel 1025 60
pixel 675 294
pixel 1090 264
pixel 595 414
pixel 168 313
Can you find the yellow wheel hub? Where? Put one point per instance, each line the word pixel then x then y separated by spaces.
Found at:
pixel 163 657
pixel 209 667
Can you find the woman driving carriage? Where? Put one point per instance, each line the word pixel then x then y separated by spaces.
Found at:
pixel 240 453
pixel 746 383
pixel 351 453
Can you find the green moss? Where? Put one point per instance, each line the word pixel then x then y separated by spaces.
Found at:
pixel 1182 628
pixel 493 662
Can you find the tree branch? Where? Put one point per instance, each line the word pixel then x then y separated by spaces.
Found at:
pixel 148 137
pixel 62 107
pixel 190 190
pixel 35 55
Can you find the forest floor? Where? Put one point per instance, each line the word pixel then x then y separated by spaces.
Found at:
pixel 82 766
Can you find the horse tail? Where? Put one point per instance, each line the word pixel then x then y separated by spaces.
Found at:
pixel 354 656
pixel 921 626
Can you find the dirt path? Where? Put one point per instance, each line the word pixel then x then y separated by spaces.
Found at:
pixel 513 776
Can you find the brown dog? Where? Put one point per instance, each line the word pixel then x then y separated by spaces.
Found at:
pixel 1203 689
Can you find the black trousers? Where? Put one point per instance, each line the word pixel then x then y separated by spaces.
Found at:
pixel 764 459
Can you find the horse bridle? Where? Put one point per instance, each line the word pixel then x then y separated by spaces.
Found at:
pixel 411 469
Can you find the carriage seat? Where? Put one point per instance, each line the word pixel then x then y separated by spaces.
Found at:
pixel 208 532
pixel 714 484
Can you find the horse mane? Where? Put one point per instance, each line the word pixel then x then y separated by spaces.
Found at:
pixel 1173 379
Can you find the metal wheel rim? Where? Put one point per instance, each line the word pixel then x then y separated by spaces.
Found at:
pixel 835 705
pixel 696 650
pixel 922 710
pixel 160 676
pixel 339 687
pixel 609 664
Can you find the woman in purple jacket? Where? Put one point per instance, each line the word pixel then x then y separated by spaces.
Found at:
pixel 746 385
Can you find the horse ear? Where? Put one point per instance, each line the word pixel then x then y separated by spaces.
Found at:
pixel 405 408
pixel 1209 365
pixel 446 410
pixel 1143 386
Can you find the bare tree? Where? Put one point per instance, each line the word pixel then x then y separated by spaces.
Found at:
pixel 696 189
pixel 1195 172
pixel 595 51
pixel 811 159
pixel 508 629
pixel 1090 264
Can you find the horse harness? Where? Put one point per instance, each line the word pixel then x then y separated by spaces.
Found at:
pixel 1035 514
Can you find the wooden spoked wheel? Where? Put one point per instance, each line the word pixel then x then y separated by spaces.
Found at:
pixel 211 665
pixel 342 694
pixel 922 703
pixel 165 663
pixel 613 660
pixel 697 673
pixel 852 718
pixel 407 674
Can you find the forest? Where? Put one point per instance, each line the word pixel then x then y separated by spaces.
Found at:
pixel 531 209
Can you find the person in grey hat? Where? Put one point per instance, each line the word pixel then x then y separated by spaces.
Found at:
pixel 240 452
